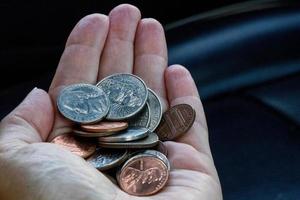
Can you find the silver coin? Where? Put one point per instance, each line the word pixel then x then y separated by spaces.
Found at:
pixel 150 141
pixel 92 134
pixel 142 119
pixel 130 134
pixel 158 155
pixel 127 94
pixel 104 159
pixel 83 103
pixel 155 110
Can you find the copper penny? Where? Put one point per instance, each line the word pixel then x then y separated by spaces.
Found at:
pixel 105 127
pixel 81 147
pixel 143 175
pixel 175 122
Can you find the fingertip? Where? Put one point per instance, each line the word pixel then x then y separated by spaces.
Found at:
pixel 125 10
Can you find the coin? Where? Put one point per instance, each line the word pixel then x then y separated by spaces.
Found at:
pixel 130 134
pixel 81 147
pixel 160 156
pixel 92 134
pixel 147 142
pixel 83 103
pixel 142 119
pixel 105 127
pixel 104 159
pixel 155 110
pixel 143 175
pixel 161 147
pixel 175 122
pixel 127 94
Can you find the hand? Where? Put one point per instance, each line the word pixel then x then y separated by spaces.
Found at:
pixel 98 46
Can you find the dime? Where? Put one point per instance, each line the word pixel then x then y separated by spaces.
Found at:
pixel 81 147
pixel 155 110
pixel 92 134
pixel 130 134
pixel 143 175
pixel 150 141
pixel 142 119
pixel 161 147
pixel 160 156
pixel 127 94
pixel 105 127
pixel 104 159
pixel 175 122
pixel 83 103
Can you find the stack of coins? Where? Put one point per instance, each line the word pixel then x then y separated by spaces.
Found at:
pixel 119 125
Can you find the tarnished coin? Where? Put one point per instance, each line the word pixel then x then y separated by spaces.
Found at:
pixel 143 175
pixel 104 159
pixel 142 119
pixel 161 148
pixel 160 156
pixel 105 127
pixel 127 94
pixel 83 103
pixel 175 122
pixel 130 134
pixel 81 147
pixel 147 142
pixel 155 110
pixel 92 134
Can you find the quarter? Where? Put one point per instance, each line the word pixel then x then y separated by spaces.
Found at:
pixel 155 110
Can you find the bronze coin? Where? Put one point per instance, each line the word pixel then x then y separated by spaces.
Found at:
pixel 81 147
pixel 92 134
pixel 175 122
pixel 105 127
pixel 161 147
pixel 143 175
pixel 147 142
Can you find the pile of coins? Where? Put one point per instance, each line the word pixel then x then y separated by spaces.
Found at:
pixel 119 129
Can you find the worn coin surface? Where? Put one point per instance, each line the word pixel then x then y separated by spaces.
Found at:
pixel 81 147
pixel 127 94
pixel 160 156
pixel 130 134
pixel 150 141
pixel 175 122
pixel 155 110
pixel 142 119
pixel 82 133
pixel 104 159
pixel 105 127
pixel 143 175
pixel 83 103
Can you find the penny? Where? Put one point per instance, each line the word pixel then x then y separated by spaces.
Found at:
pixel 105 127
pixel 127 94
pixel 161 147
pixel 130 134
pixel 92 134
pixel 83 103
pixel 150 141
pixel 175 122
pixel 81 147
pixel 143 175
pixel 104 159
pixel 142 119
pixel 160 156
pixel 155 110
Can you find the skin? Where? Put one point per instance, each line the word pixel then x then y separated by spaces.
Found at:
pixel 98 46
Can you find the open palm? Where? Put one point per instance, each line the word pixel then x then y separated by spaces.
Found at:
pixel 98 46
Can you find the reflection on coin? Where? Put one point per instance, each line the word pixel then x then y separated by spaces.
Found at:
pixel 127 94
pixel 161 147
pixel 150 141
pixel 105 127
pixel 155 110
pixel 81 147
pixel 83 103
pixel 160 156
pixel 142 119
pixel 143 175
pixel 130 134
pixel 104 159
pixel 175 122
pixel 91 134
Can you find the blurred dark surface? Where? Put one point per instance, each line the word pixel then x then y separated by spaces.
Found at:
pixel 245 60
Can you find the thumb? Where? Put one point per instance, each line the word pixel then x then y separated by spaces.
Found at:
pixel 31 121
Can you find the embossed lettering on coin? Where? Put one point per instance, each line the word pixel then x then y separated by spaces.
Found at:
pixel 142 119
pixel 155 110
pixel 127 94
pixel 175 122
pixel 83 103
pixel 81 147
pixel 143 175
